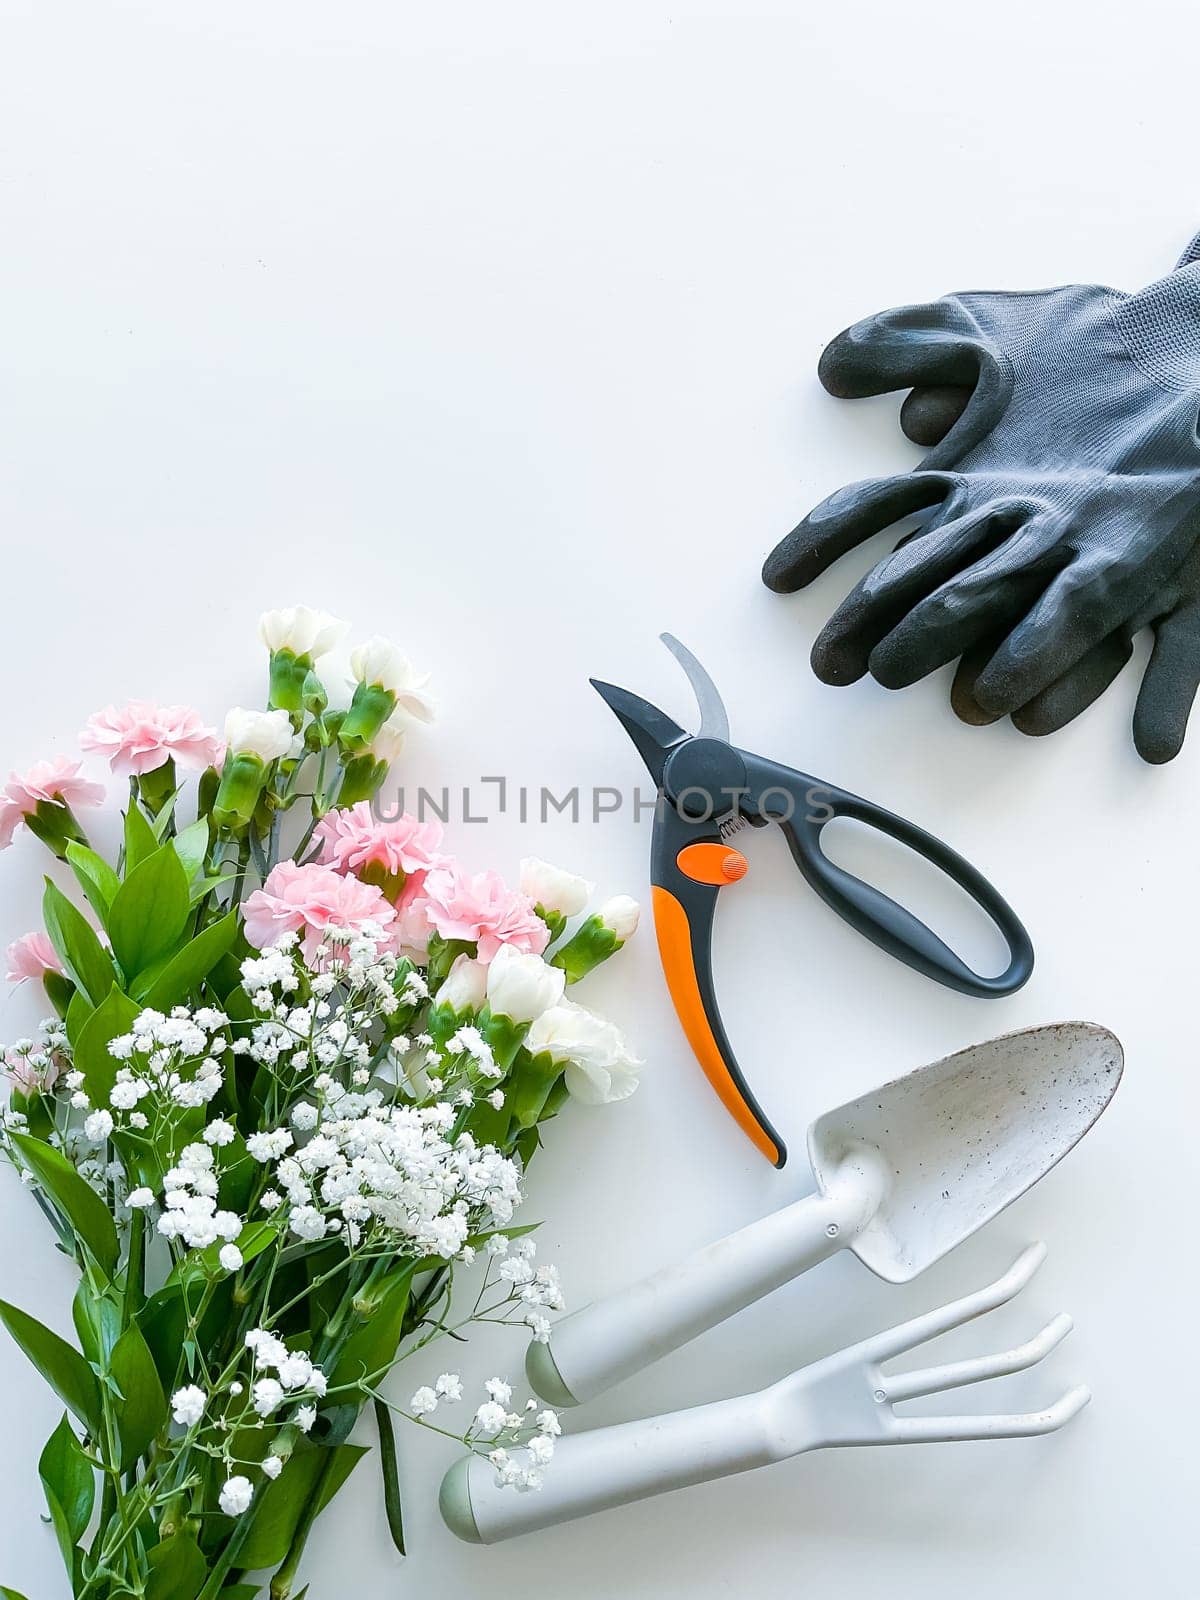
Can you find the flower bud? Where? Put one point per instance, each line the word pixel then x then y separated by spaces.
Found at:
pixel 466 985
pixel 599 937
pixel 296 637
pixel 386 681
pixel 622 914
pixel 254 739
pixel 361 779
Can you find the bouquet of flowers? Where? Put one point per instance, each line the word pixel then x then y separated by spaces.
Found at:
pixel 288 1095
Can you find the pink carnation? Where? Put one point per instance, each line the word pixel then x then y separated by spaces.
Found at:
pixel 31 956
pixel 412 928
pixel 482 910
pixel 356 838
pixel 143 736
pixel 45 781
pixel 308 900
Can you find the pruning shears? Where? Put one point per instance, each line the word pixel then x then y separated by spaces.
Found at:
pixel 707 790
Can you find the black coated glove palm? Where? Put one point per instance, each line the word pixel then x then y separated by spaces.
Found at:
pixel 1066 496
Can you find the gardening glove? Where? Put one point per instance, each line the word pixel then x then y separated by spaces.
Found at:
pixel 1172 674
pixel 1066 496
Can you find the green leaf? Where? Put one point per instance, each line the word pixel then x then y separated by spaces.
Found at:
pixel 79 1010
pixel 177 1569
pixel 63 1368
pixel 372 1345
pixel 84 1209
pixel 10 1594
pixel 188 968
pixel 96 878
pixel 62 1530
pixel 69 1477
pixel 98 1322
pixel 166 813
pixel 149 911
pixel 391 1477
pixel 277 1509
pixel 206 885
pixel 518 1231
pixel 140 839
pixel 143 1407
pixel 87 962
pixel 163 1321
pixel 111 1018
pixel 60 991
pixel 191 846
pixel 237 1173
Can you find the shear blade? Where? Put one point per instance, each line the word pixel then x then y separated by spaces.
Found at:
pixel 652 731
pixel 714 719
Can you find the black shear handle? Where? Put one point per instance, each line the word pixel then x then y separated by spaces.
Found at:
pixel 810 806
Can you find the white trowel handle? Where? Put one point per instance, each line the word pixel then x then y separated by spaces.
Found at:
pixel 610 1467
pixel 618 1336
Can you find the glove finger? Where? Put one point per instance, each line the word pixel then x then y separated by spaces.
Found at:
pixel 1072 615
pixel 1172 676
pixel 875 607
pixel 939 345
pixel 962 691
pixel 931 410
pixel 1063 700
pixel 846 519
pixel 934 343
pixel 1138 580
pixel 978 602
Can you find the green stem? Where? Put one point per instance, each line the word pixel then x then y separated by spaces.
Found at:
pixel 135 1267
pixel 227 1560
pixel 132 1515
pixel 281 1583
pixel 108 1506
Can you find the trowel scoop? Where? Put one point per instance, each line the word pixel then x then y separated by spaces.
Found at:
pixel 903 1173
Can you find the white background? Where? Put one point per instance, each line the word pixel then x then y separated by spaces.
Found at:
pixel 493 327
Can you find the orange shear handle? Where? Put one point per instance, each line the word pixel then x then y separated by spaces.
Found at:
pixel 687 881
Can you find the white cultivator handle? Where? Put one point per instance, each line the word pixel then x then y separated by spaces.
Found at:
pixel 613 1338
pixel 844 1399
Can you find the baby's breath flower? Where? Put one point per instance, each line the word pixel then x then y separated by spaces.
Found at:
pixel 236 1496
pixel 490 1418
pixel 98 1126
pixel 268 1396
pixel 187 1405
